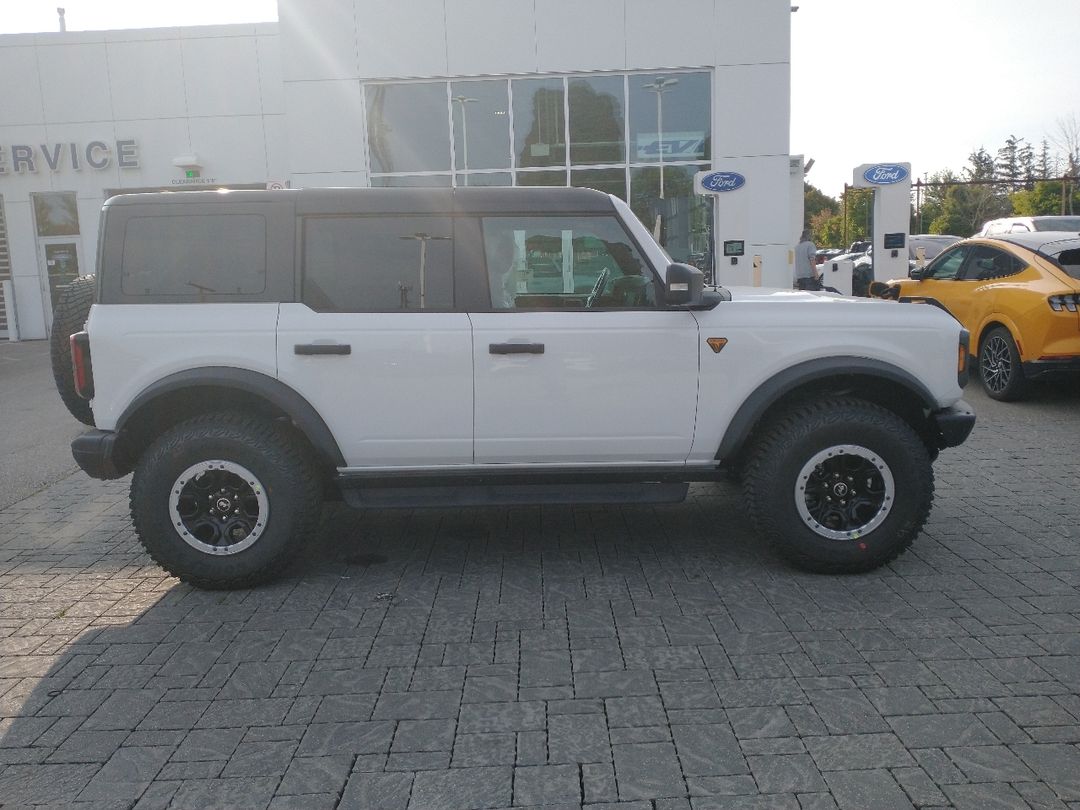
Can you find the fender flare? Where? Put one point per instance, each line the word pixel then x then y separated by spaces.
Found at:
pixel 769 392
pixel 298 409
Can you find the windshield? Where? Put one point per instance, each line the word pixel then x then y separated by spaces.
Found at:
pixel 1057 223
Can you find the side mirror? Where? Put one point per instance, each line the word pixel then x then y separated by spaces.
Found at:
pixel 683 286
pixel 916 273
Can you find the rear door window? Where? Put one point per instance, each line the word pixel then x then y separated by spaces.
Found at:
pixel 212 256
pixel 378 264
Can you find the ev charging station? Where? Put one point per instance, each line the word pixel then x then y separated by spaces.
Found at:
pixel 892 215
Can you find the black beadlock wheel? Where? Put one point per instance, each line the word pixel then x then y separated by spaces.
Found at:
pixel 838 486
pixel 1000 369
pixel 69 317
pixel 225 500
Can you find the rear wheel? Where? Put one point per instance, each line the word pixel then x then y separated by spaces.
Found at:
pixel 224 500
pixel 69 317
pixel 999 366
pixel 839 486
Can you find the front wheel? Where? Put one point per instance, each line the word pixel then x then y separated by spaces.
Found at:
pixel 225 500
pixel 839 486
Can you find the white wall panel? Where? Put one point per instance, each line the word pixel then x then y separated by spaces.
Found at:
pixel 221 76
pixel 231 148
pixel 329 180
pixel 578 36
pixel 322 38
pixel 748 32
pixel 325 126
pixel 271 89
pixel 751 110
pixel 22 90
pixel 276 135
pixel 471 47
pixel 659 36
pixel 402 39
pixel 147 79
pixel 75 83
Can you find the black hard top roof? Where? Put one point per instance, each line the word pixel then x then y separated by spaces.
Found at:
pixel 395 200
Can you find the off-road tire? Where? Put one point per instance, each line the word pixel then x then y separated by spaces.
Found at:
pixel 1000 369
pixel 273 453
pixel 790 440
pixel 69 317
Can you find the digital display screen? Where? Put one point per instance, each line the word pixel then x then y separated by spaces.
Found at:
pixel 734 247
pixel 895 241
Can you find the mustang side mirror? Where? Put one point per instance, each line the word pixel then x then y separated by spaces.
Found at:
pixel 683 285
pixel 916 273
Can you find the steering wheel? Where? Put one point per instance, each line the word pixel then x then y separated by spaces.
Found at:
pixel 598 288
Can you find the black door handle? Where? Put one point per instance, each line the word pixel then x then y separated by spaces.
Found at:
pixel 322 348
pixel 515 348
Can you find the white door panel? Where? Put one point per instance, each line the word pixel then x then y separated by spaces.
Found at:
pixel 609 387
pixel 402 397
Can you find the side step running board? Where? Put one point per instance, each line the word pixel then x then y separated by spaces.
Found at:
pixel 379 497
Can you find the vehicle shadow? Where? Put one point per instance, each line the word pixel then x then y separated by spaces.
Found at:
pixel 122 684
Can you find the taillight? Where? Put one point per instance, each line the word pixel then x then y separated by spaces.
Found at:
pixel 1069 302
pixel 963 351
pixel 80 365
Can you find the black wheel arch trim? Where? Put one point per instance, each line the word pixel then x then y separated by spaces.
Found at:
pixel 277 393
pixel 767 394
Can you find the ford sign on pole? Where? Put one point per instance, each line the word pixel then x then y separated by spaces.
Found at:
pixel 719 182
pixel 885 174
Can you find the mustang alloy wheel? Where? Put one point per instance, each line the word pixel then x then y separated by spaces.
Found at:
pixel 999 366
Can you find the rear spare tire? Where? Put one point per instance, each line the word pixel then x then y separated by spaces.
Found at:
pixel 69 317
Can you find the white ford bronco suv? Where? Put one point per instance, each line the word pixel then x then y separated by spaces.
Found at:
pixel 248 353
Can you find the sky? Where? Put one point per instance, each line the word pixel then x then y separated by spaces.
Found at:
pixel 872 81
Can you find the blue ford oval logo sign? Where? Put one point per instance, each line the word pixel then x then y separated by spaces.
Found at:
pixel 723 181
pixel 885 174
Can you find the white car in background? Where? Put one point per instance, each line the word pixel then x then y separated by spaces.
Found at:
pixel 996 227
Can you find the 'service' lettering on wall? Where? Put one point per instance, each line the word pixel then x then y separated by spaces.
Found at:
pixel 21 158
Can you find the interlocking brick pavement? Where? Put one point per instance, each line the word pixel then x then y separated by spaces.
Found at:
pixel 645 658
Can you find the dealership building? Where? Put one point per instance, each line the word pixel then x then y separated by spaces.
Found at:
pixel 626 96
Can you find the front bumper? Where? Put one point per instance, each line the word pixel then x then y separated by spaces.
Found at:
pixel 95 452
pixel 952 425
pixel 1064 365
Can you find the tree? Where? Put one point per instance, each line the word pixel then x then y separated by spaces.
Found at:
pixel 815 201
pixel 1044 199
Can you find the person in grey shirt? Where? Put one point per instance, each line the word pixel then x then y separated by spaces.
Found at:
pixel 806 275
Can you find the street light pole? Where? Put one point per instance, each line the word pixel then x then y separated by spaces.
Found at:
pixel 423 239
pixel 463 100
pixel 660 85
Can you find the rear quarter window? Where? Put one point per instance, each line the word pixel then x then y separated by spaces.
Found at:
pixel 211 256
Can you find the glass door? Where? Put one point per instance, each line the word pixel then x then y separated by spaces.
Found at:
pixel 56 219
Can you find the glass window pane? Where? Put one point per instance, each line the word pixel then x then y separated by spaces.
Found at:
pixel 485 179
pixel 378 264
pixel 609 181
pixel 56 213
pixel 681 220
pixel 481 125
pixel 541 178
pixel 564 262
pixel 597 133
pixel 412 181
pixel 407 127
pixel 670 113
pixel 194 255
pixel 539 122
pixel 947 265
